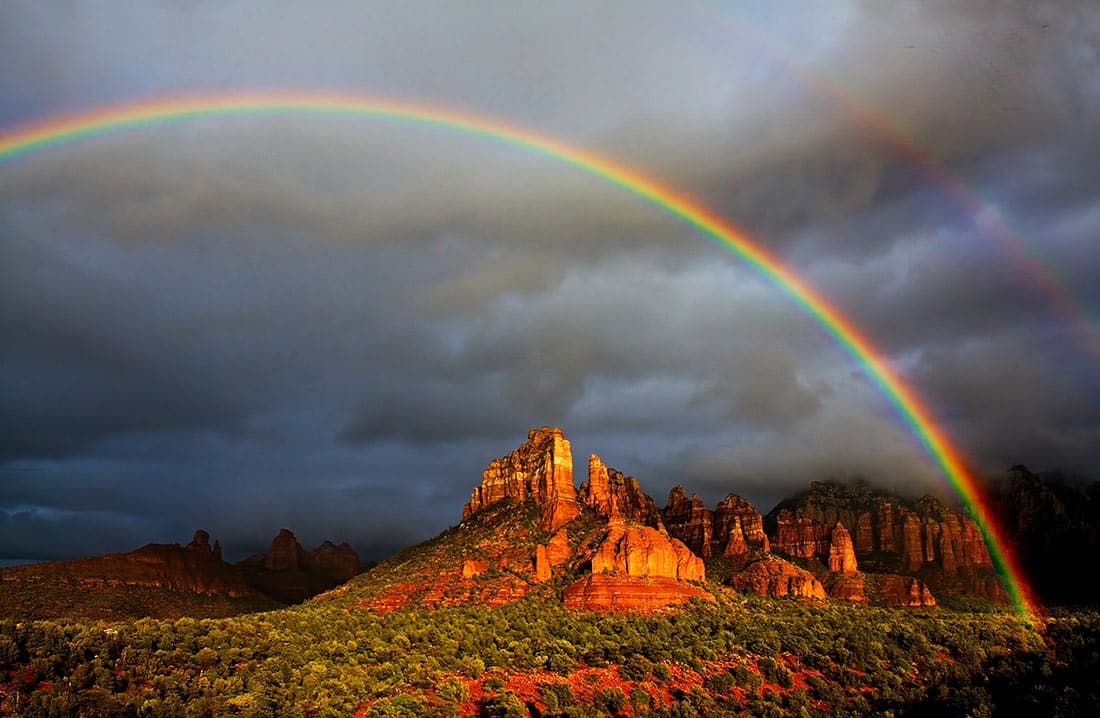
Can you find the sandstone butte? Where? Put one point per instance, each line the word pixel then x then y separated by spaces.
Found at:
pixel 634 567
pixel 541 469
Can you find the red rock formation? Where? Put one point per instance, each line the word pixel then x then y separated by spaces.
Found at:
pixel 927 540
pixel 848 587
pixel 887 535
pixel 603 592
pixel 541 469
pixel 738 527
pixel 558 551
pixel 904 591
pixel 555 553
pixel 911 543
pixel 284 554
pixel 472 567
pixel 775 577
pixel 842 557
pixel 637 568
pixel 689 520
pixel 643 551
pixel 193 568
pixel 542 564
pixel 735 543
pixel 609 493
pixel 291 574
pixel 800 535
pixel 864 538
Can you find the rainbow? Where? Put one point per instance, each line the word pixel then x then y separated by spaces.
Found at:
pixel 97 122
pixel 903 142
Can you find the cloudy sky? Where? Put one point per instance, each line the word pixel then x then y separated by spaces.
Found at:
pixel 332 324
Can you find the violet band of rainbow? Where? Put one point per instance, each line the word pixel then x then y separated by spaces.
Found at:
pixel 58 130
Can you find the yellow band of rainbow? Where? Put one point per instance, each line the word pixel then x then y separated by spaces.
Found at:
pixel 67 128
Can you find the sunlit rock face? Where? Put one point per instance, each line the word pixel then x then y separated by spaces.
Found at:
pixel 541 469
pixel 924 539
pixel 610 493
pixel 643 551
pixel 603 592
pixel 775 577
pixel 842 557
pixel 637 568
pixel 904 591
pixel 738 527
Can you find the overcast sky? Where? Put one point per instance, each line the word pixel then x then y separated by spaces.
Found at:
pixel 332 324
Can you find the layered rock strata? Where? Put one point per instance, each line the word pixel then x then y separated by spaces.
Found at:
pixel 541 469
pixel 610 493
pixel 929 541
pixel 772 576
pixel 690 521
pixel 637 568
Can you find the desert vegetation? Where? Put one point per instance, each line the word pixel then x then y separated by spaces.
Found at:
pixel 745 656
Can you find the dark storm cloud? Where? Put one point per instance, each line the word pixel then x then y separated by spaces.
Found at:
pixel 305 321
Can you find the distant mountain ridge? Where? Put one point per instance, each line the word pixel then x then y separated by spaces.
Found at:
pixel 183 580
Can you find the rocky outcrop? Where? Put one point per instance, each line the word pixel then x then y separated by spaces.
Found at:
pixel 772 576
pixel 637 568
pixel 738 527
pixel 284 553
pixel 689 520
pixel 800 536
pixel 642 551
pixel 924 539
pixel 541 470
pixel 848 587
pixel 903 591
pixel 553 554
pixel 842 557
pixel 473 567
pixel 340 563
pixel 609 493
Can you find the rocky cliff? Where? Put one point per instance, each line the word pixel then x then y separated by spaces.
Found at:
pixel 637 568
pixel 689 520
pixel 924 539
pixel 772 576
pixel 733 528
pixel 541 470
pixel 610 493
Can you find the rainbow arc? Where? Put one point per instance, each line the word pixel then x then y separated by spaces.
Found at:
pixel 60 130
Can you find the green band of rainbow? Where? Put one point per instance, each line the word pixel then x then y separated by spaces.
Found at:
pixel 59 130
